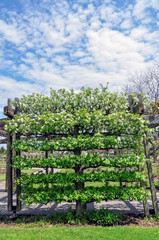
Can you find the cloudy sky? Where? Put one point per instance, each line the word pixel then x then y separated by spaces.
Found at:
pixel 74 43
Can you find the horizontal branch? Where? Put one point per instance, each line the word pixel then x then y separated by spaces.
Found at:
pixel 54 135
pixel 153 119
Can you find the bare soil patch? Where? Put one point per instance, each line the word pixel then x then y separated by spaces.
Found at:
pixel 140 221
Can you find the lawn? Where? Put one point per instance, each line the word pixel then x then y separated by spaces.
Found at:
pixel 80 233
pixel 28 171
pixel 2 160
pixel 2 177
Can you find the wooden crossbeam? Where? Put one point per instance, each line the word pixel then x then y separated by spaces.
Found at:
pixel 2 123
pixel 3 133
pixel 3 141
pixel 153 119
pixel 9 111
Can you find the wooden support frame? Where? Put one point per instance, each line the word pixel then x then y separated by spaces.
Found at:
pixel 151 178
pixel 3 141
pixel 139 108
pixel 10 112
pixel 18 186
pixel 9 174
pixel 2 123
pixel 145 203
pixel 18 171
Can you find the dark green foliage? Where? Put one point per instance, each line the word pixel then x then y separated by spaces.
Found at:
pixel 3 150
pixel 100 218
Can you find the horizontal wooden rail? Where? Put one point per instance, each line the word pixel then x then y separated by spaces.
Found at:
pixel 3 133
pixel 3 141
pixel 153 119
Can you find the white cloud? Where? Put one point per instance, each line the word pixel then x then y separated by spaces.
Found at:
pixel 10 33
pixel 126 24
pixel 10 88
pixel 113 51
pixel 154 4
pixel 142 33
pixel 140 9
pixel 111 16
pixel 74 43
pixel 17 88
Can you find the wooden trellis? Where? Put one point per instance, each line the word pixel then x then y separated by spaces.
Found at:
pixel 10 112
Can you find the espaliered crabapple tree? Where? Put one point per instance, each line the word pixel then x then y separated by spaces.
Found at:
pixel 81 127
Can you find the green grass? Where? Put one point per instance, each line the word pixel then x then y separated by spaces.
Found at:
pixel 101 184
pixel 2 177
pixel 28 171
pixel 2 160
pixel 94 184
pixel 67 170
pixel 80 233
pixel 155 170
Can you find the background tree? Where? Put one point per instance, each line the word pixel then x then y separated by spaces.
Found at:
pixel 2 150
pixel 146 83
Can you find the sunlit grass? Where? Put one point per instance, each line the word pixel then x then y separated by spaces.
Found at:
pixel 78 233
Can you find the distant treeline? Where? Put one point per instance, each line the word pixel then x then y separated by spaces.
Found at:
pixel 3 150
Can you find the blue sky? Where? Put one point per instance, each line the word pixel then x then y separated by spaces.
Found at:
pixel 70 43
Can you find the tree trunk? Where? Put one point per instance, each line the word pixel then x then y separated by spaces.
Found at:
pixel 80 208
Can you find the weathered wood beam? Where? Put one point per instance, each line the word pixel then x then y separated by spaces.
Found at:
pixel 2 123
pixel 3 141
pixel 145 202
pixel 9 172
pixel 18 185
pixel 136 108
pixel 18 171
pixel 153 119
pixel 9 111
pixel 3 133
pixel 151 178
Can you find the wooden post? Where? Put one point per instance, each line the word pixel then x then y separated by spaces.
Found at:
pixel 18 185
pixel 9 174
pixel 151 178
pixel 18 171
pixel 139 108
pixel 136 108
pixel 145 203
pixel 10 112
pixel 52 171
pixel 47 169
pixel 13 169
pixel 46 156
pixel 131 103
